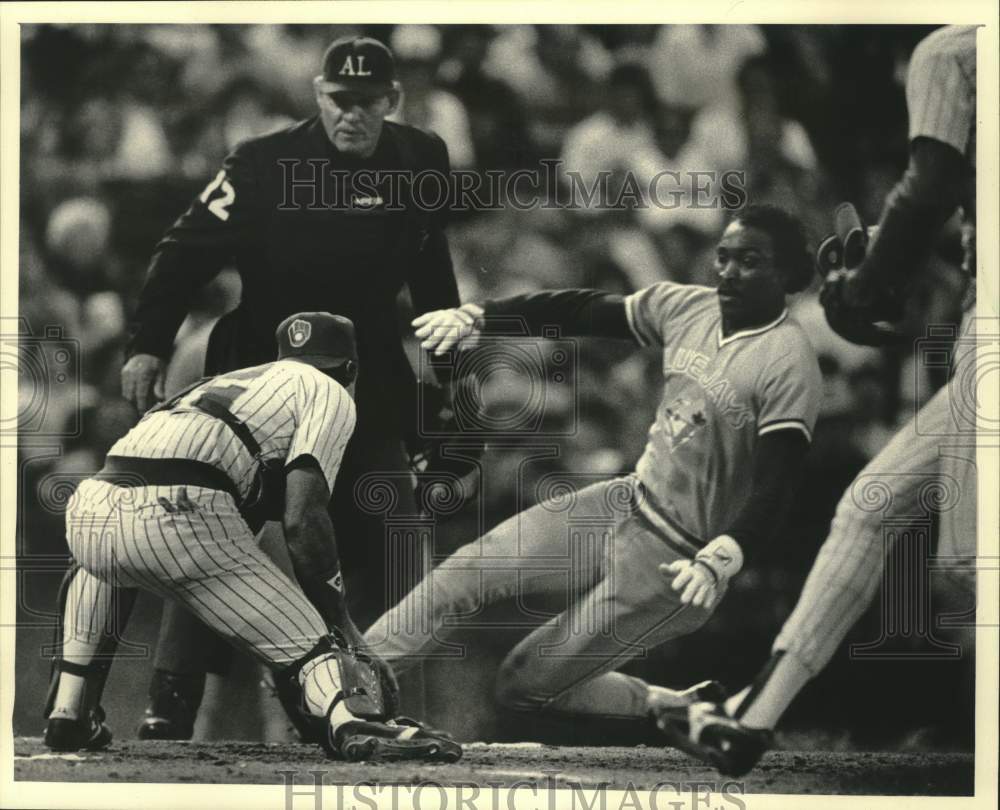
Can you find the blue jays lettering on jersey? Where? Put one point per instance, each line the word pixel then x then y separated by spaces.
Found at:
pixel 719 395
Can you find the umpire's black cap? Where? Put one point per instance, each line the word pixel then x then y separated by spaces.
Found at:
pixel 317 338
pixel 359 65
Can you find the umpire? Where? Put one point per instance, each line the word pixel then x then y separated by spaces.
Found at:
pixel 308 227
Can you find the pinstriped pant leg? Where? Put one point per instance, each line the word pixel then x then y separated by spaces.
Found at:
pixel 87 617
pixel 207 559
pixel 901 481
pixel 96 605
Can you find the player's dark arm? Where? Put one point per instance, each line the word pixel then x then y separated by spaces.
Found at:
pixel 777 467
pixel 312 546
pixel 581 312
pixel 929 192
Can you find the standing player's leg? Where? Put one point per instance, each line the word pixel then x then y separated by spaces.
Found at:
pixel 185 651
pixel 848 570
pixel 900 482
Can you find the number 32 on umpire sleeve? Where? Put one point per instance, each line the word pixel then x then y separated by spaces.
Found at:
pixel 220 205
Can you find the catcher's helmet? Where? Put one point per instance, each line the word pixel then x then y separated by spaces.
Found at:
pixel 317 338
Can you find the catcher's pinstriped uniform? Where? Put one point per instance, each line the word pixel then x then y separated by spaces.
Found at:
pixel 720 395
pixel 935 452
pixel 190 543
pixel 170 512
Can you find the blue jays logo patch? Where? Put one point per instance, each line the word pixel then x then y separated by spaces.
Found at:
pixel 299 332
pixel 682 419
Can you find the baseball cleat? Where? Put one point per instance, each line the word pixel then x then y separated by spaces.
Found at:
pixel 87 733
pixel 706 691
pixel 155 727
pixel 365 740
pixel 706 732
pixel 174 702
pixel 402 720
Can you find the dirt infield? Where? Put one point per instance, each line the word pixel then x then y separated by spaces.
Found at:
pixel 641 768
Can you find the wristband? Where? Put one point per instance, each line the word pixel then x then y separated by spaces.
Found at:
pixel 707 567
pixel 723 556
pixel 326 592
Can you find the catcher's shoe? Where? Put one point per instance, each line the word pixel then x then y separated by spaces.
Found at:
pixel 372 741
pixel 402 720
pixel 707 732
pixel 86 733
pixel 173 707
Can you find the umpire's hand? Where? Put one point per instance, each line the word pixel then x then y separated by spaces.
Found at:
pixel 142 381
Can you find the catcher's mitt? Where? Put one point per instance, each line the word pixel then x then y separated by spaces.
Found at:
pixel 857 307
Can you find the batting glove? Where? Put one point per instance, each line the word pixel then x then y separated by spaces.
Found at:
pixel 700 580
pixel 443 329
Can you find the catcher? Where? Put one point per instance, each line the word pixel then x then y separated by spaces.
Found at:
pixel 174 512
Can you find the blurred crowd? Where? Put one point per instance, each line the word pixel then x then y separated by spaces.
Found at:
pixel 121 125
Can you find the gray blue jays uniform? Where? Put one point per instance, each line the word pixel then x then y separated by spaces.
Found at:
pixel 602 542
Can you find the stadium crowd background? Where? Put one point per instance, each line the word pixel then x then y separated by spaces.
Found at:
pixel 122 125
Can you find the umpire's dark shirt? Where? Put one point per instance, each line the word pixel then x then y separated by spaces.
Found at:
pixel 293 256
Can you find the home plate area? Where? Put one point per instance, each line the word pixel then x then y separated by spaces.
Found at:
pixel 511 766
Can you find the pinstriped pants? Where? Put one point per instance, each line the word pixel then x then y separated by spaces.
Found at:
pixel 190 545
pixel 919 471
